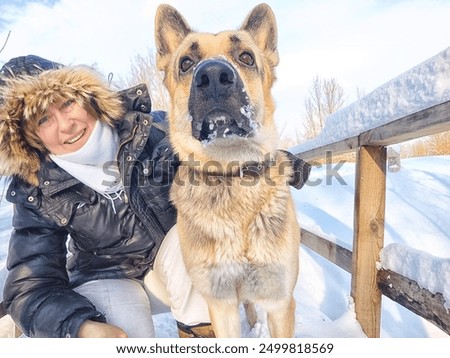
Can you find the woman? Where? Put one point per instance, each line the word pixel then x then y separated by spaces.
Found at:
pixel 93 252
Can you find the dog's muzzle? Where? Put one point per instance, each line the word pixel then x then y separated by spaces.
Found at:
pixel 218 102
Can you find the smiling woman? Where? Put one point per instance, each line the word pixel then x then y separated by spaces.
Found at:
pixel 65 127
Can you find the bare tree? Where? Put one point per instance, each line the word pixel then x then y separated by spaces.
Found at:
pixel 143 70
pixel 437 144
pixel 6 41
pixel 440 144
pixel 326 96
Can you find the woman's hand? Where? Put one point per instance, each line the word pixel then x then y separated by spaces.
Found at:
pixel 92 329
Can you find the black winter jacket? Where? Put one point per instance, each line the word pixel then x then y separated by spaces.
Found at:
pixel 66 234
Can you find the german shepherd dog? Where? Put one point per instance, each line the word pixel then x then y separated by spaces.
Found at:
pixel 238 230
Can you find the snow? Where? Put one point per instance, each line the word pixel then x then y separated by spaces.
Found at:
pixel 434 274
pixel 423 86
pixel 417 245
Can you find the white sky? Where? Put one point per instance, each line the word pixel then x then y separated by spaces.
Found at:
pixel 362 44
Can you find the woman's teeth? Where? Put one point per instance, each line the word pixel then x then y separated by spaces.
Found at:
pixel 75 139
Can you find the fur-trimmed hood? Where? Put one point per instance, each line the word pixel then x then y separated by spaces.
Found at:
pixel 24 97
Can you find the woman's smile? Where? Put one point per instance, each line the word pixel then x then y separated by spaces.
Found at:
pixel 76 138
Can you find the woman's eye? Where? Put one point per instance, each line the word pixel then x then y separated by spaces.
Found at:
pixel 67 104
pixel 43 121
pixel 247 59
pixel 185 64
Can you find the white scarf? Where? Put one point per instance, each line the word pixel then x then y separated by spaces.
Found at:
pixel 95 163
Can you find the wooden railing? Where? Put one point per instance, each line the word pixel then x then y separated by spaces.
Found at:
pixel 368 284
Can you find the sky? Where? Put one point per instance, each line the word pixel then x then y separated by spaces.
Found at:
pixel 361 44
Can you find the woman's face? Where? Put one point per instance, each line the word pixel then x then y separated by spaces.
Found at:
pixel 65 127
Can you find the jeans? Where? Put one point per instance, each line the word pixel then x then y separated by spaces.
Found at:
pixel 130 304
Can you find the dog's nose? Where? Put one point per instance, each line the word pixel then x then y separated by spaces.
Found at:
pixel 214 77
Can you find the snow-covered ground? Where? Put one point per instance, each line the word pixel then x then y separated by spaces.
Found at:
pixel 418 199
pixel 417 236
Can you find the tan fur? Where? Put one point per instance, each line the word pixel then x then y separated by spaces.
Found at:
pixel 239 235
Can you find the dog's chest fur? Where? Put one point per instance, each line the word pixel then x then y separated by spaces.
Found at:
pixel 235 233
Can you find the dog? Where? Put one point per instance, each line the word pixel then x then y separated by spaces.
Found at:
pixel 236 219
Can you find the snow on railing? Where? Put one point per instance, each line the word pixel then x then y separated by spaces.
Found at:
pixel 423 86
pixel 430 272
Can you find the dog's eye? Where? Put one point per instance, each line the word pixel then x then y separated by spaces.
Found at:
pixel 185 64
pixel 247 59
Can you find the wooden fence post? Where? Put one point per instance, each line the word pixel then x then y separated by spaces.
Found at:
pixel 368 240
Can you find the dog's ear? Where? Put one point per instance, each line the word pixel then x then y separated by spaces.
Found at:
pixel 261 25
pixel 170 30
